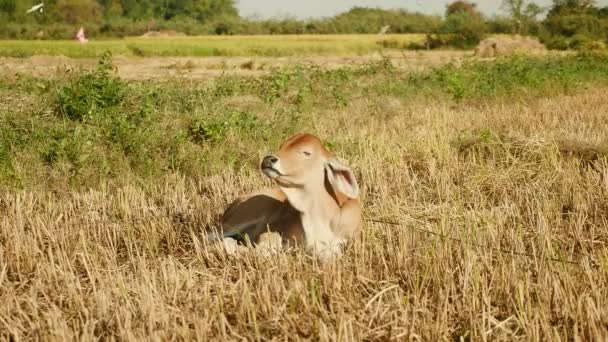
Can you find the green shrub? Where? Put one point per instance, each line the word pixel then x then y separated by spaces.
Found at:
pixel 580 40
pixel 91 93
pixel 554 42
pixel 440 40
pixel 594 45
pixel 574 28
pixel 215 129
pixel 510 75
pixel 466 30
pixel 572 24
pixel 123 27
pixel 501 25
pixel 463 28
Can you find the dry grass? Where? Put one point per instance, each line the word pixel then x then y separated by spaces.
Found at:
pixel 504 238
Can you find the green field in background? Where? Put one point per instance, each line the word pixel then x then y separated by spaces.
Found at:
pixel 201 46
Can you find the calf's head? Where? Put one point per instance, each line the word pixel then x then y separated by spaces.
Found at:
pixel 303 163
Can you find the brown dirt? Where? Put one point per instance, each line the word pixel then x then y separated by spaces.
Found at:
pixel 202 68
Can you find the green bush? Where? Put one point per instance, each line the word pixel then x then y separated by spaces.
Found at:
pixel 580 40
pixel 501 25
pixel 555 42
pixel 123 27
pixel 574 28
pixel 463 28
pixel 594 45
pixel 215 129
pixel 10 30
pixel 511 75
pixel 91 93
pixel 572 24
pixel 438 40
pixel 466 29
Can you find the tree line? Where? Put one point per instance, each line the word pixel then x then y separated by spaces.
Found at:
pixel 565 24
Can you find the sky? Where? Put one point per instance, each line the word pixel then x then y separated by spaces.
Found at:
pixel 323 8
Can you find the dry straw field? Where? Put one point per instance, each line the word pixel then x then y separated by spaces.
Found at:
pixel 485 189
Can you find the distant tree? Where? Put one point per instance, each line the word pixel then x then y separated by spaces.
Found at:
pixel 574 24
pixel 523 14
pixel 464 25
pixel 371 20
pixel 136 9
pixel 562 7
pixel 14 11
pixel 78 11
pixel 111 8
pixel 201 10
pixel 459 7
pixel 520 10
pixel 204 10
pixel 8 7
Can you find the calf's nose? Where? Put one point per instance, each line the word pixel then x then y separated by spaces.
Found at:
pixel 269 161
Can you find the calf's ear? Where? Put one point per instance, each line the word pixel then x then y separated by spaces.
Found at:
pixel 342 178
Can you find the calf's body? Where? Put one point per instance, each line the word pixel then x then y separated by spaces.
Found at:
pixel 314 203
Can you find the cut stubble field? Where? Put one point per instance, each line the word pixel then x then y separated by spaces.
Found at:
pixel 485 188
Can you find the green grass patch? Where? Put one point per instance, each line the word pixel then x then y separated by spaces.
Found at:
pixel 204 46
pixel 514 76
pixel 91 127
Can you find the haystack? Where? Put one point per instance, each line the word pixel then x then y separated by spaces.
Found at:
pixel 509 45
